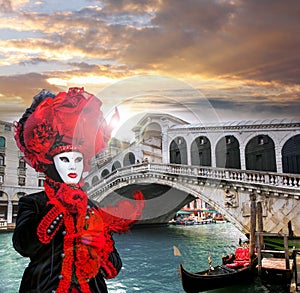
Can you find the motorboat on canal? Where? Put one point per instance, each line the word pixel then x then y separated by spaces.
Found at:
pixel 234 270
pixel 189 222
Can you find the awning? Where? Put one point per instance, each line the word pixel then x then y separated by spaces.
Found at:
pixel 184 213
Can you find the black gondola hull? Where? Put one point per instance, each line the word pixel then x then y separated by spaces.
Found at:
pixel 220 277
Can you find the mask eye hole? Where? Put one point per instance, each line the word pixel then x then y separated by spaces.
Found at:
pixel 78 160
pixel 64 159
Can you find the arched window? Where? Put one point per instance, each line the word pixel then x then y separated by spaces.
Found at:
pixel 228 153
pixel 86 186
pixel 178 151
pixel 129 159
pixel 201 152
pixel 291 155
pixel 116 165
pixel 104 173
pixel 95 180
pixel 260 154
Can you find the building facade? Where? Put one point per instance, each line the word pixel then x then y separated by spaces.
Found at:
pixel 16 177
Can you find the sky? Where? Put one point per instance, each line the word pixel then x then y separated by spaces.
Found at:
pixel 200 60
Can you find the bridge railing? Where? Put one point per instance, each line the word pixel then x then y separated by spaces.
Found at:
pixel 278 180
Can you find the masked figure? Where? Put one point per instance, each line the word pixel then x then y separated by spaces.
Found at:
pixel 67 236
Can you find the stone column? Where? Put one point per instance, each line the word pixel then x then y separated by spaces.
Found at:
pixel 213 154
pixel 242 157
pixel 164 148
pixel 188 153
pixel 278 158
pixel 9 211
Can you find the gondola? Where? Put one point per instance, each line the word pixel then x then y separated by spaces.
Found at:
pixel 218 277
pixel 234 270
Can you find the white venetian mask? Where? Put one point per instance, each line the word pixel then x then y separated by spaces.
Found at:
pixel 69 166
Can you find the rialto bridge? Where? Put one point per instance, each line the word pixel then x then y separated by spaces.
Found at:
pixel 173 162
pixel 168 187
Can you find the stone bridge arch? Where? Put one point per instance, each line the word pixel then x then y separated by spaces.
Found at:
pixel 169 187
pixel 170 196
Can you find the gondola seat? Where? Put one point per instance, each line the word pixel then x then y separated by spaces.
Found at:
pixel 242 258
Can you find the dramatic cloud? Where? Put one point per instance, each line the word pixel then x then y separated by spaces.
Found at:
pixel 241 55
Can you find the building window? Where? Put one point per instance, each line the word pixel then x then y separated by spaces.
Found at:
pixel 20 194
pixel 2 141
pixel 21 181
pixel 7 127
pixel 228 140
pixel 1 160
pixel 261 140
pixel 195 204
pixel 22 164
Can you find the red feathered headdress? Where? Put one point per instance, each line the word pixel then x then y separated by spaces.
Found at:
pixel 69 121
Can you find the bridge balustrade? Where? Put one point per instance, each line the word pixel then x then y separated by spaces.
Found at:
pixel 264 179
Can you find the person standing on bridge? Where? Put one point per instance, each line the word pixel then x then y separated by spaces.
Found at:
pixel 67 236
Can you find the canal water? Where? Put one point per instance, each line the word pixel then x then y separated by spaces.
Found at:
pixel 149 263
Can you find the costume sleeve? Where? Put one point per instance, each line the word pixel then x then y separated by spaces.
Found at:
pixel 115 259
pixel 30 214
pixel 113 266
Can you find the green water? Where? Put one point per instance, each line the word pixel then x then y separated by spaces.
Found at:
pixel 149 264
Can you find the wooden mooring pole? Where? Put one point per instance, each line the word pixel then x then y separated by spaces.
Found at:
pixel 260 225
pixel 286 251
pixel 260 238
pixel 252 227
